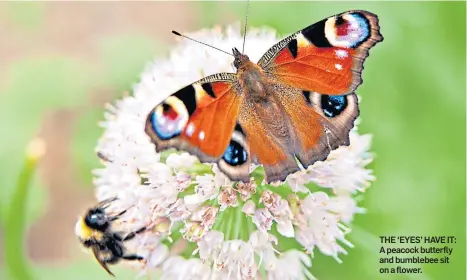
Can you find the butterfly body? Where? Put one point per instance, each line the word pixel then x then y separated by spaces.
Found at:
pixel 294 106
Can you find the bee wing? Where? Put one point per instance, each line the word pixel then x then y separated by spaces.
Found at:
pixel 95 251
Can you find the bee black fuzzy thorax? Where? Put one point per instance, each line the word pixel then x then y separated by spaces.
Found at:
pixel 94 230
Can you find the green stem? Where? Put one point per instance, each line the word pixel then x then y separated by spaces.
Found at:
pixel 16 261
pixel 250 227
pixel 219 221
pixel 247 227
pixel 238 222
pixel 227 228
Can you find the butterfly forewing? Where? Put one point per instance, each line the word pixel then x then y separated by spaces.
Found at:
pixel 326 57
pixel 199 118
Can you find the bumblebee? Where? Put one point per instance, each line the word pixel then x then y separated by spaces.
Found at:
pixel 94 231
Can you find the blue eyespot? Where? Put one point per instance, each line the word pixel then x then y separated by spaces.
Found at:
pixel 333 105
pixel 350 30
pixel 364 27
pixel 235 154
pixel 167 122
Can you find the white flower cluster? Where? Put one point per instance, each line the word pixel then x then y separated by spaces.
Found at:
pixel 202 225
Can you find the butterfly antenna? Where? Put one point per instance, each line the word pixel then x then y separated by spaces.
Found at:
pixel 246 23
pixel 181 35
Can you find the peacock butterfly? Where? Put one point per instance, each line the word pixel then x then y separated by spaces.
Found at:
pixel 297 103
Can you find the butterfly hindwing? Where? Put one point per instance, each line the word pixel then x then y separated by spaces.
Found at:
pixel 237 158
pixel 291 124
pixel 199 118
pixel 263 125
pixel 326 57
pixel 318 123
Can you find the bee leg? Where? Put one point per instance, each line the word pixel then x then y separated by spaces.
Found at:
pixel 103 157
pixel 129 236
pixel 115 217
pixel 112 260
pixel 118 215
pixel 133 258
pixel 141 230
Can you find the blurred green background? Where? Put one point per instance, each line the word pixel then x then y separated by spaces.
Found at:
pixel 60 62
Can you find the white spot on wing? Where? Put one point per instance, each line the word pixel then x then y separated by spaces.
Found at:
pixel 338 66
pixel 201 135
pixel 342 54
pixel 190 129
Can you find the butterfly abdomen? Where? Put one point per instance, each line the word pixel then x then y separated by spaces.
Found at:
pixel 272 117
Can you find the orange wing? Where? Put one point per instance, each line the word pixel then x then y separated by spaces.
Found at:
pixel 318 123
pixel 263 127
pixel 199 118
pixel 326 57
